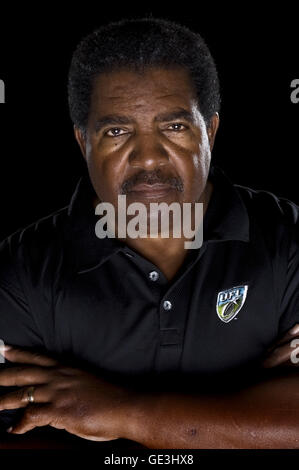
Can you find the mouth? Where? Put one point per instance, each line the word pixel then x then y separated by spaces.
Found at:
pixel 151 190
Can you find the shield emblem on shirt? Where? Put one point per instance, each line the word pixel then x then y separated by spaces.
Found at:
pixel 230 302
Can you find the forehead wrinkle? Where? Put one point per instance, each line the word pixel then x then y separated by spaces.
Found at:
pixel 170 95
pixel 114 97
pixel 121 92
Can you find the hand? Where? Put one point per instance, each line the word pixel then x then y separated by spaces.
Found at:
pixel 64 397
pixel 282 353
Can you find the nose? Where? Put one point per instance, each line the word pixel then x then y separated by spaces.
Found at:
pixel 148 153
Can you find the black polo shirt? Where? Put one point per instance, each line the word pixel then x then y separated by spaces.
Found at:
pixel 64 290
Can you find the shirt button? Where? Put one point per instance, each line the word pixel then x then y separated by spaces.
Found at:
pixel 167 305
pixel 153 275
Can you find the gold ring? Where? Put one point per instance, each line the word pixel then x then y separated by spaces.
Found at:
pixel 30 395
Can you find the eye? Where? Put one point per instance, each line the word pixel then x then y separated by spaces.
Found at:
pixel 115 132
pixel 177 126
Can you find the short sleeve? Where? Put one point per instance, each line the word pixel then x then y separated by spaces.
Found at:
pixel 17 326
pixel 289 307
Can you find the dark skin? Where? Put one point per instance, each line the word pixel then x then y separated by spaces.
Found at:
pixel 179 148
pixel 265 415
pixel 261 416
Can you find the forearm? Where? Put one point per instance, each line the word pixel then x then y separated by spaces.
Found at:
pixel 265 415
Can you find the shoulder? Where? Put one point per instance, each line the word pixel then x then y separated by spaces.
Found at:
pixel 274 228
pixel 34 241
pixel 268 209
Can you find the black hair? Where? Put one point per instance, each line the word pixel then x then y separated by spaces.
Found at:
pixel 137 44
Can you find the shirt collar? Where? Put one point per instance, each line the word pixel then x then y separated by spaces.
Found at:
pixel 226 219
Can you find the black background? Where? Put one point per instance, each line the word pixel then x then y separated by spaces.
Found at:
pixel 256 53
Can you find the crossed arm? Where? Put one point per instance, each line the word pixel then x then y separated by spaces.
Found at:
pixel 264 415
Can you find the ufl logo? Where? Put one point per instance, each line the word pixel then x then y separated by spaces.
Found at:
pixel 230 301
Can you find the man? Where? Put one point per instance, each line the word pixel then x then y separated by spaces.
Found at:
pixel 140 338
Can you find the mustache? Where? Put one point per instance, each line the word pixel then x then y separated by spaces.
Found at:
pixel 152 177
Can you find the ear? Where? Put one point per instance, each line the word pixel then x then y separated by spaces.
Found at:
pixel 212 129
pixel 81 140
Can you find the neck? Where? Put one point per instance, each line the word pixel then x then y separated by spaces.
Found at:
pixel 168 254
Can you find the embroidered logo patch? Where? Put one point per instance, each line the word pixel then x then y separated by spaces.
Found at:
pixel 230 302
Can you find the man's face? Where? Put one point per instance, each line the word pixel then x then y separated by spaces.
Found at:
pixel 146 137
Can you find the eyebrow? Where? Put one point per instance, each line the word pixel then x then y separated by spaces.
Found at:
pixel 113 120
pixel 119 120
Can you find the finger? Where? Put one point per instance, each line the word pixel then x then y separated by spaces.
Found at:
pixel 19 398
pixel 36 416
pixel 14 354
pixel 20 375
pixel 279 356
